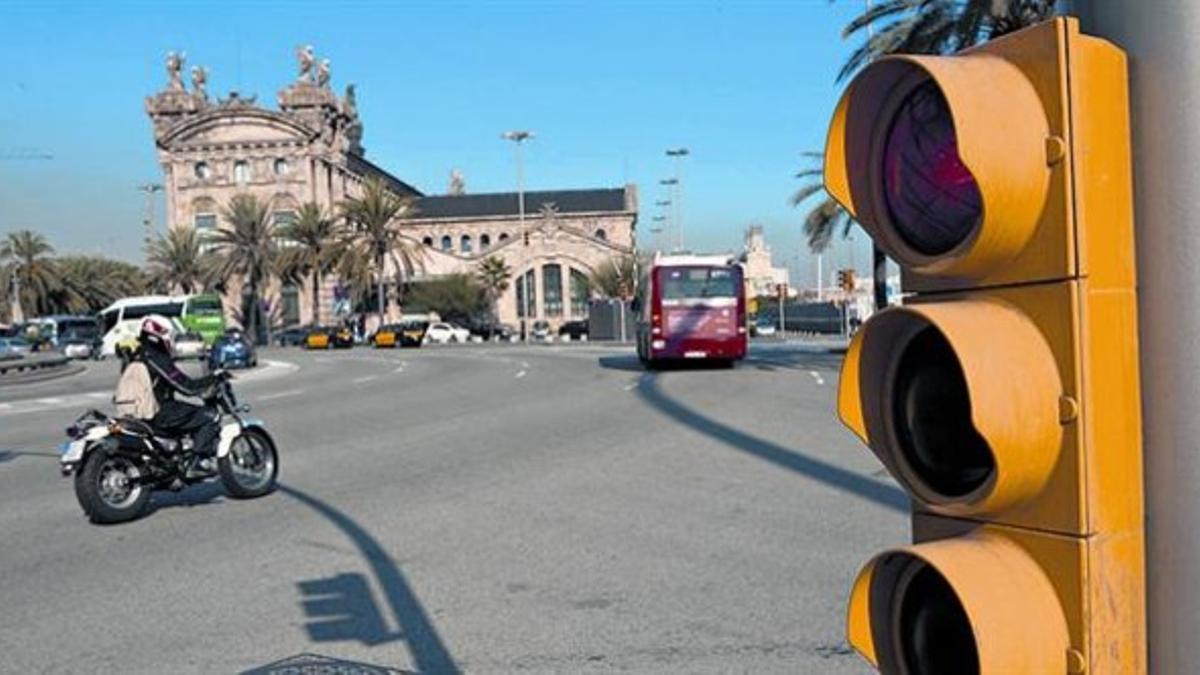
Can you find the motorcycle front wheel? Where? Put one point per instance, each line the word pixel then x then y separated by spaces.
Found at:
pixel 108 490
pixel 251 467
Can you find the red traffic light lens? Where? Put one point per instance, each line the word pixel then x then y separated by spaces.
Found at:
pixel 932 199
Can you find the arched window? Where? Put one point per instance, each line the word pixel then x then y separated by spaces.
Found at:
pixel 241 171
pixel 552 289
pixel 526 283
pixel 203 170
pixel 464 245
pixel 282 168
pixel 484 242
pixel 601 234
pixel 428 241
pixel 447 243
pixel 580 287
pixel 503 237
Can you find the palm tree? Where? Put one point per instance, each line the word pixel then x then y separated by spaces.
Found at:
pixel 91 283
pixel 910 27
pixel 179 259
pixel 313 250
pixel 370 240
pixel 247 249
pixel 493 274
pixel 618 278
pixel 24 257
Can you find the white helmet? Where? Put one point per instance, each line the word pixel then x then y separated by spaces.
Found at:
pixel 159 330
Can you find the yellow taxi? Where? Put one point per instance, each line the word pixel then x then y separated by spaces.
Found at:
pixel 388 336
pixel 318 338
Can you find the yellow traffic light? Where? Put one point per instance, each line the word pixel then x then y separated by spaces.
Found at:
pixel 1004 396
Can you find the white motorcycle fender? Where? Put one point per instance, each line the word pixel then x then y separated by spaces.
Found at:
pixel 231 431
pixel 75 449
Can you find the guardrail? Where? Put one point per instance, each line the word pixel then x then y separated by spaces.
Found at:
pixel 32 363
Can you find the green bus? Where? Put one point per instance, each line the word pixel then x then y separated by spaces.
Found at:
pixel 203 314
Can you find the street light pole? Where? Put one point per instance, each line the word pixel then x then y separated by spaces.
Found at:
pixel 519 138
pixel 1164 83
pixel 148 219
pixel 17 314
pixel 671 183
pixel 678 154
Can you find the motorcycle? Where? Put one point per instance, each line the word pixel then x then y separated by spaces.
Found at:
pixel 118 462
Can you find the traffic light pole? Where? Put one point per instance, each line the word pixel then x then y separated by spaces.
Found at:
pixel 1160 39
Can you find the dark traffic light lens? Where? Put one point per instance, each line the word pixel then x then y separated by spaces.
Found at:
pixel 933 200
pixel 934 634
pixel 931 415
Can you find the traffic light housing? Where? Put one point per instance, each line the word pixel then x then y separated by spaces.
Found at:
pixel 1004 395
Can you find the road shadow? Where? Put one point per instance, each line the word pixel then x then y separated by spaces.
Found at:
pixel 342 607
pixel 11 455
pixel 873 491
pixel 633 365
pixel 200 494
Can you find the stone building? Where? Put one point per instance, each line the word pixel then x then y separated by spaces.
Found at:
pixel 762 277
pixel 310 149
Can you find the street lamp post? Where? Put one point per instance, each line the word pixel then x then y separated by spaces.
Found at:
pixel 678 154
pixel 519 138
pixel 671 183
pixel 148 219
pixel 17 315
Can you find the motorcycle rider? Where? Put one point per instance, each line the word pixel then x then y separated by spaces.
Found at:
pixel 175 418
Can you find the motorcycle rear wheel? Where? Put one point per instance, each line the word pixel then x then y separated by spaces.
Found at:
pixel 251 467
pixel 103 490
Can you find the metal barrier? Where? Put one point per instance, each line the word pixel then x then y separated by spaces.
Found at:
pixel 33 362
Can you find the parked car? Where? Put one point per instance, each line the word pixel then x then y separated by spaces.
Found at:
pixel 540 330
pixel 576 330
pixel 493 331
pixel 76 347
pixel 412 333
pixel 764 328
pixel 232 350
pixel 386 336
pixel 343 338
pixel 292 337
pixel 190 346
pixel 12 347
pixel 319 337
pixel 441 333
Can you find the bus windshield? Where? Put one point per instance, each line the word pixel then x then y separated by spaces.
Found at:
pixel 204 305
pixel 687 283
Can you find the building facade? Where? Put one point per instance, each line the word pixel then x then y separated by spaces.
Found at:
pixel 761 276
pixel 310 149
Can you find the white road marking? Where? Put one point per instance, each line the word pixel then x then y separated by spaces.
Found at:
pixel 817 376
pixel 520 374
pixel 368 378
pixel 399 368
pixel 51 401
pixel 524 364
pixel 98 394
pixel 5 406
pixel 282 394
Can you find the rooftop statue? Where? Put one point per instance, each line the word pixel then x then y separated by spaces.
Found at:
pixel 323 73
pixel 200 81
pixel 304 55
pixel 174 70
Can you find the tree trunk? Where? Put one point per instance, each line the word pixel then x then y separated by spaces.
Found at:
pixel 252 319
pixel 382 303
pixel 316 317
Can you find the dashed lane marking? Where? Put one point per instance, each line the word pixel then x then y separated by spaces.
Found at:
pixel 817 376
pixel 520 374
pixel 367 378
pixel 281 394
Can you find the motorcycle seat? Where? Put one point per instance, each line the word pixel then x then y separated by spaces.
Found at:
pixel 139 427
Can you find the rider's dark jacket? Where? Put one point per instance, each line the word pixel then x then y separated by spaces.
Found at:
pixel 167 377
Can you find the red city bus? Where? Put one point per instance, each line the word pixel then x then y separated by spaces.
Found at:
pixel 692 308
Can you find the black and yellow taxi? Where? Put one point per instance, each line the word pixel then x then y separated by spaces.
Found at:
pixel 343 337
pixel 319 337
pixel 387 336
pixel 412 333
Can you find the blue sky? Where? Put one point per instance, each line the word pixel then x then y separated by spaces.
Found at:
pixel 607 87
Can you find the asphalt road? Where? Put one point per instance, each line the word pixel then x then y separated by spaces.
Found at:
pixel 484 509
